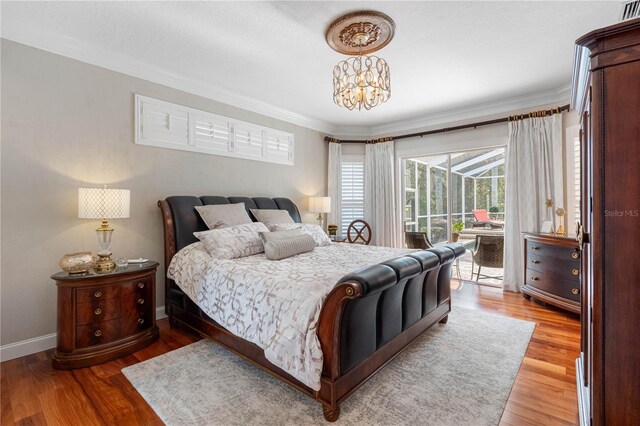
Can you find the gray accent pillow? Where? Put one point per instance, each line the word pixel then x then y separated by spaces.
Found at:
pixel 233 242
pixel 318 234
pixel 287 247
pixel 272 236
pixel 223 215
pixel 271 217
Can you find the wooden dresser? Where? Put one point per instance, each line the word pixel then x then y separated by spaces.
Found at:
pixel 104 316
pixel 552 270
pixel 606 92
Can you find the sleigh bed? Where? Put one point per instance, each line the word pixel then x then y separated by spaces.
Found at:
pixel 366 319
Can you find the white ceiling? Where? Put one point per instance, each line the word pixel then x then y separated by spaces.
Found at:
pixel 445 55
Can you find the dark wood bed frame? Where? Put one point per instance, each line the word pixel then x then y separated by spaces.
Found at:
pixel 336 386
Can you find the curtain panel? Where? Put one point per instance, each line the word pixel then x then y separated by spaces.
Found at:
pixel 334 185
pixel 534 175
pixel 379 193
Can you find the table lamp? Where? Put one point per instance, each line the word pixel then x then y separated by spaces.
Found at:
pixel 104 204
pixel 320 205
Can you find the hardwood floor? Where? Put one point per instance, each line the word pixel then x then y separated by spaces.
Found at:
pixel 544 392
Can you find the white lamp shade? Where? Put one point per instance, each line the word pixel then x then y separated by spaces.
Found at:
pixel 103 203
pixel 320 204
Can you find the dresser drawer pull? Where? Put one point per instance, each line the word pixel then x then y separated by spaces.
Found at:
pixel 98 333
pixel 575 271
pixel 140 321
pixel 575 255
pixel 535 278
pixel 575 291
pixel 140 301
pixel 535 262
pixel 535 248
pixel 98 311
pixel 97 294
pixel 140 285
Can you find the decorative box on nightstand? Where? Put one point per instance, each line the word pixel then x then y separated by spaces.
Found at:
pixel 105 316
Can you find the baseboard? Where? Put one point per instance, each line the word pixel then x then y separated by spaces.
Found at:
pixel 42 343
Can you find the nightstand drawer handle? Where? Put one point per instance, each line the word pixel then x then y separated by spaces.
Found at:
pixel 140 321
pixel 97 311
pixel 535 262
pixel 575 291
pixel 98 333
pixel 535 278
pixel 575 271
pixel 97 294
pixel 575 255
pixel 140 285
pixel 535 248
pixel 141 301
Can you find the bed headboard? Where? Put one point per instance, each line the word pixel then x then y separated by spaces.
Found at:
pixel 181 219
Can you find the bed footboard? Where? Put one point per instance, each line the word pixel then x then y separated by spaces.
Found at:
pixel 374 312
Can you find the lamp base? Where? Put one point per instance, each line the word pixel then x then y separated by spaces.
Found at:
pixel 104 263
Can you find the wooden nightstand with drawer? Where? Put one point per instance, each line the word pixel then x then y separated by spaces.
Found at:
pixel 105 316
pixel 552 270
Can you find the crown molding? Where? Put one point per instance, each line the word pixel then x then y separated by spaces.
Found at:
pixel 104 58
pixel 502 106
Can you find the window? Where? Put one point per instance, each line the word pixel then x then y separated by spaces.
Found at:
pixel 168 125
pixel 352 190
pixel 576 178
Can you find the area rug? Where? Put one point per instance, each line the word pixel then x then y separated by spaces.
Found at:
pixel 459 373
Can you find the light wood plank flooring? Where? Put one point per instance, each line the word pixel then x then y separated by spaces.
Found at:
pixel 544 393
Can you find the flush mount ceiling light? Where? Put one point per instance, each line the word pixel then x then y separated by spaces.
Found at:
pixel 362 80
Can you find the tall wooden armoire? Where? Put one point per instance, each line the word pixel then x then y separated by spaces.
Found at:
pixel 606 91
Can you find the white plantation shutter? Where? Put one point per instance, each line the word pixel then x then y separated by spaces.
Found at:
pixel 279 147
pixel 248 141
pixel 211 133
pixel 164 124
pixel 352 191
pixel 167 125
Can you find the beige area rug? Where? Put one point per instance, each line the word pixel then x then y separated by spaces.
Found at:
pixel 459 373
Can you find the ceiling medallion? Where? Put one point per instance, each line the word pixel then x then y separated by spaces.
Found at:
pixel 361 81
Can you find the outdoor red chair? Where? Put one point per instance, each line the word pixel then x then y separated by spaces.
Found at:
pixel 483 219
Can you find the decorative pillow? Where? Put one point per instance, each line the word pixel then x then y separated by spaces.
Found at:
pixel 272 236
pixel 271 217
pixel 287 247
pixel 223 215
pixel 233 242
pixel 319 236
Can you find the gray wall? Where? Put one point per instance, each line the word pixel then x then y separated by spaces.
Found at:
pixel 68 124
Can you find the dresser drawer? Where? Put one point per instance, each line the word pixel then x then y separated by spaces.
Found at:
pixel 97 311
pixel 554 266
pixel 136 288
pixel 551 284
pixel 84 295
pixel 135 322
pixel 562 253
pixel 97 333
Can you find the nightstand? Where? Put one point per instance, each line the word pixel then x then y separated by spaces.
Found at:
pixel 105 316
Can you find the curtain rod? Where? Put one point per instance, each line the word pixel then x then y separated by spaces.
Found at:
pixel 542 113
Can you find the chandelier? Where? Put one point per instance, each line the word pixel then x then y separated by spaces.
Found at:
pixel 362 80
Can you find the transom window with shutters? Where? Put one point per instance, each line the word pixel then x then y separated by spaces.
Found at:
pixel 352 190
pixel 167 125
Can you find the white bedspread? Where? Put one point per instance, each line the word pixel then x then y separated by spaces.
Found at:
pixel 274 304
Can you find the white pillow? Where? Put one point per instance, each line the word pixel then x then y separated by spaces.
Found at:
pixel 319 236
pixel 271 217
pixel 223 215
pixel 233 242
pixel 287 247
pixel 279 235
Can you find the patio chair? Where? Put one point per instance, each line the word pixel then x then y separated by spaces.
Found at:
pixel 417 240
pixel 483 219
pixel 489 253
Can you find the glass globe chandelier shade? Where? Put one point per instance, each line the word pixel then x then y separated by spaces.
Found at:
pixel 361 82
